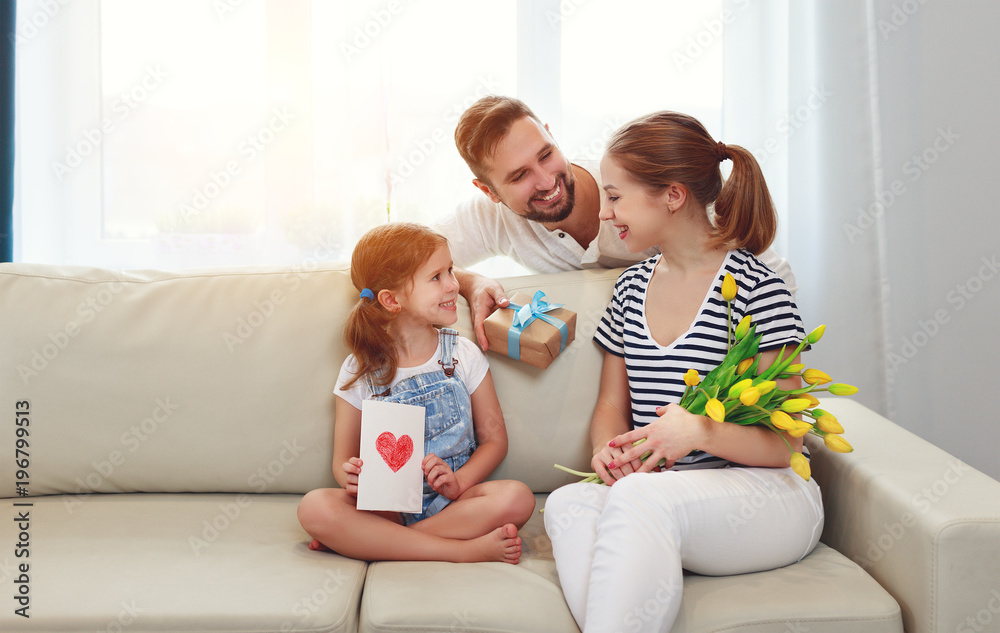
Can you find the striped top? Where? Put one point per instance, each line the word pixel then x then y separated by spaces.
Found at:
pixel 656 372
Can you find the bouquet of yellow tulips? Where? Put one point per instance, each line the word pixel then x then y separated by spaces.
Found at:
pixel 738 391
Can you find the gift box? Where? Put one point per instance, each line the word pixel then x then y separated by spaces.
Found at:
pixel 531 329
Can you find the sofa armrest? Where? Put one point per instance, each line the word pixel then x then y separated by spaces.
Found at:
pixel 924 524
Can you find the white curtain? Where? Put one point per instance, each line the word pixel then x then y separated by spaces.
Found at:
pixel 180 133
pixel 881 119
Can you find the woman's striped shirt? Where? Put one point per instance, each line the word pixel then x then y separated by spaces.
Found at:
pixel 656 372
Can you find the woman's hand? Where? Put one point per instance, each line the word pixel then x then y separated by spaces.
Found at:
pixel 441 477
pixel 674 435
pixel 352 468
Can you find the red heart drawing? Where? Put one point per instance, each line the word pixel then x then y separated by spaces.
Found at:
pixel 395 452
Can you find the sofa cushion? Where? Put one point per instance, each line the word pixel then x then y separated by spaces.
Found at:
pixel 212 563
pixel 823 593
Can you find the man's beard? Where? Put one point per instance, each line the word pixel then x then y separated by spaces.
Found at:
pixel 556 213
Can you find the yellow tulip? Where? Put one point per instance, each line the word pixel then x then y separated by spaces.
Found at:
pixel 829 424
pixel 744 365
pixel 782 420
pixel 800 464
pixel 715 410
pixel 815 377
pixel 840 389
pixel 743 327
pixel 691 378
pixel 794 405
pixel 728 287
pixel 767 387
pixel 750 396
pixel 837 444
pixel 794 369
pixel 813 400
pixel 801 428
pixel 737 389
pixel 816 335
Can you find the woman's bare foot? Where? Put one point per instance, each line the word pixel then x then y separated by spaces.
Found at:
pixel 318 547
pixel 501 545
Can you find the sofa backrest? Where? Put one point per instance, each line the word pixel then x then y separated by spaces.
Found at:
pixel 222 380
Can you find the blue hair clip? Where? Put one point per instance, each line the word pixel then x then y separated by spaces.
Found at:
pixel 368 294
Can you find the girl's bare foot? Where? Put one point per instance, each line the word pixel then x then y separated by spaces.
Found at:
pixel 318 547
pixel 501 545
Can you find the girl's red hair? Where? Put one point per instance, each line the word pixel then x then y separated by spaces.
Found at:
pixel 385 258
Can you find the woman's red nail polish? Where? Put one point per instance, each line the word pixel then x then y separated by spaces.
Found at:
pixel 611 465
pixel 611 443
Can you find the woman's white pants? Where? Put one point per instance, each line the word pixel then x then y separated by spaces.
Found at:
pixel 619 549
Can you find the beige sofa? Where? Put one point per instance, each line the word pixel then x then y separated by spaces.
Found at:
pixel 164 426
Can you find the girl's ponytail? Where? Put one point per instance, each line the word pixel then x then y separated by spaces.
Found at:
pixel 744 211
pixel 367 336
pixel 385 258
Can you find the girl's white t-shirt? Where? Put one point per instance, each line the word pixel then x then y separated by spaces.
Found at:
pixel 471 368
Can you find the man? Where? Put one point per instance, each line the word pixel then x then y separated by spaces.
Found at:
pixel 538 209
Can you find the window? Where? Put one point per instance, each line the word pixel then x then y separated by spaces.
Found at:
pixel 178 133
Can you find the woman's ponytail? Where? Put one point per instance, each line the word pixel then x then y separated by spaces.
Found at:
pixel 744 211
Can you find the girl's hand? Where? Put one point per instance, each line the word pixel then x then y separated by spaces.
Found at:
pixel 441 477
pixel 674 435
pixel 353 468
pixel 610 466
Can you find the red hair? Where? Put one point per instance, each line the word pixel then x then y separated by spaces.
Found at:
pixel 483 126
pixel 385 258
pixel 667 148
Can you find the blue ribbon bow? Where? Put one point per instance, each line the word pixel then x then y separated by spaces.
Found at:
pixel 525 315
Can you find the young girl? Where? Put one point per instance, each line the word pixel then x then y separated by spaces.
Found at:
pixel 620 560
pixel 403 273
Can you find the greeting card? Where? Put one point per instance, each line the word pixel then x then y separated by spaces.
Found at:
pixel 392 448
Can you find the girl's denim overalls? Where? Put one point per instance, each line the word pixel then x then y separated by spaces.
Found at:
pixel 448 428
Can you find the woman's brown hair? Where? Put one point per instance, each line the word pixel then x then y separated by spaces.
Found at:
pixel 667 148
pixel 385 258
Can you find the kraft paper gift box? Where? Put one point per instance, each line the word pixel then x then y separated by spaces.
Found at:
pixel 531 329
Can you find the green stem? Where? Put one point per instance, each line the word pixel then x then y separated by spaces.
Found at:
pixel 574 472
